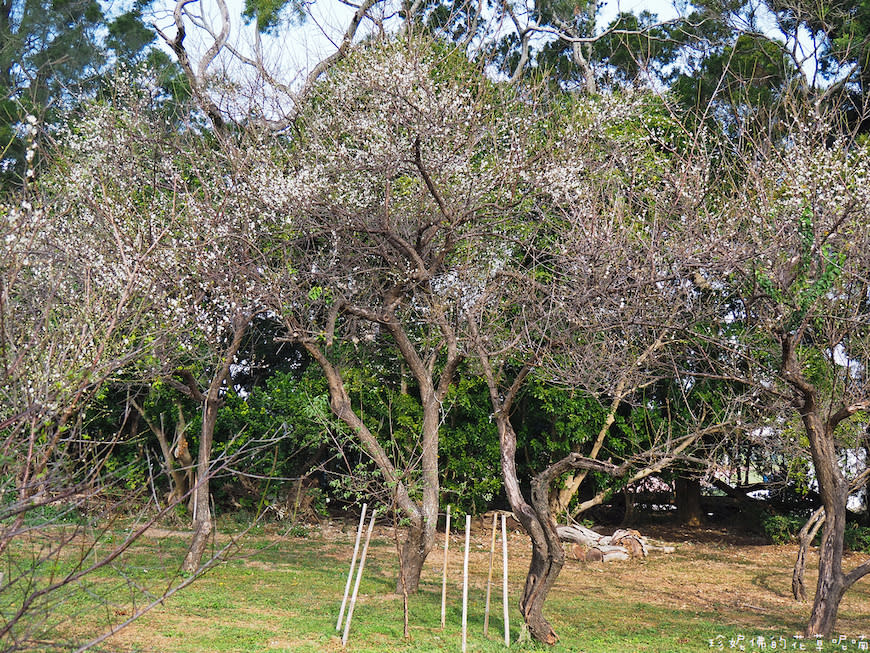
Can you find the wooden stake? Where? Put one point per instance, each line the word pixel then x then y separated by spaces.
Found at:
pixel 504 592
pixel 465 585
pixel 362 519
pixel 489 577
pixel 444 579
pixel 362 562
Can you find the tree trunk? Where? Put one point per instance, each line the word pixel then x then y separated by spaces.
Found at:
pixel 419 544
pixel 688 498
pixel 833 490
pixel 202 518
pixel 180 479
pixel 414 552
pixel 547 553
pixel 202 522
pixel 628 516
pixel 831 584
pixel 548 556
pixel 805 538
pixel 424 515
pixel 546 560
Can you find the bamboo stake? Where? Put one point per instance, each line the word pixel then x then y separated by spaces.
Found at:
pixel 444 579
pixel 489 577
pixel 359 573
pixel 465 585
pixel 504 592
pixel 362 519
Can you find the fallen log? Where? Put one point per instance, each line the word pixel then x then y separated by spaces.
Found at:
pixel 589 546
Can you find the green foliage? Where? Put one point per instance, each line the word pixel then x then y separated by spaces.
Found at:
pixel 813 275
pixel 288 406
pixel 783 529
pixel 558 420
pixel 469 450
pixel 747 75
pixel 129 469
pixel 634 45
pixel 269 13
pixel 857 538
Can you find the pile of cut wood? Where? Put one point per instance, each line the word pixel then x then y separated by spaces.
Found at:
pixel 589 546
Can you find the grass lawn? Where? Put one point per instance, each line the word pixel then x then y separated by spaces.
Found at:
pixel 275 592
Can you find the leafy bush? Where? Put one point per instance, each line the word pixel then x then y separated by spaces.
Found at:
pixel 782 529
pixel 857 538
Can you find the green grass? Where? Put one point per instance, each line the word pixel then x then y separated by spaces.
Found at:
pixel 283 594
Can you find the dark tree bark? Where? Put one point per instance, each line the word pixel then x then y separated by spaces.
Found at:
pixel 548 554
pixel 833 489
pixel 688 498
pixel 629 516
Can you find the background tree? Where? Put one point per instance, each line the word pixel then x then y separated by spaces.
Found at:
pixel 53 56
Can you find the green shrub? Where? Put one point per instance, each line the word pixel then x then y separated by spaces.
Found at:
pixel 782 529
pixel 857 538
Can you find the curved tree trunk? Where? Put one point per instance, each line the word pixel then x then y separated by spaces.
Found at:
pixel 805 537
pixel 423 515
pixel 833 489
pixel 547 559
pixel 548 555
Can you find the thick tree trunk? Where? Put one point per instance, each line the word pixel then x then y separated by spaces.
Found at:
pixel 543 571
pixel 548 556
pixel 831 584
pixel 833 490
pixel 688 498
pixel 547 553
pixel 421 537
pixel 414 552
pixel 546 562
pixel 424 515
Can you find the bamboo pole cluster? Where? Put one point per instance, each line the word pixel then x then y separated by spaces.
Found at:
pixel 362 557
pixel 507 636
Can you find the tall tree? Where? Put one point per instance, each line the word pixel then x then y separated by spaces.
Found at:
pixel 405 158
